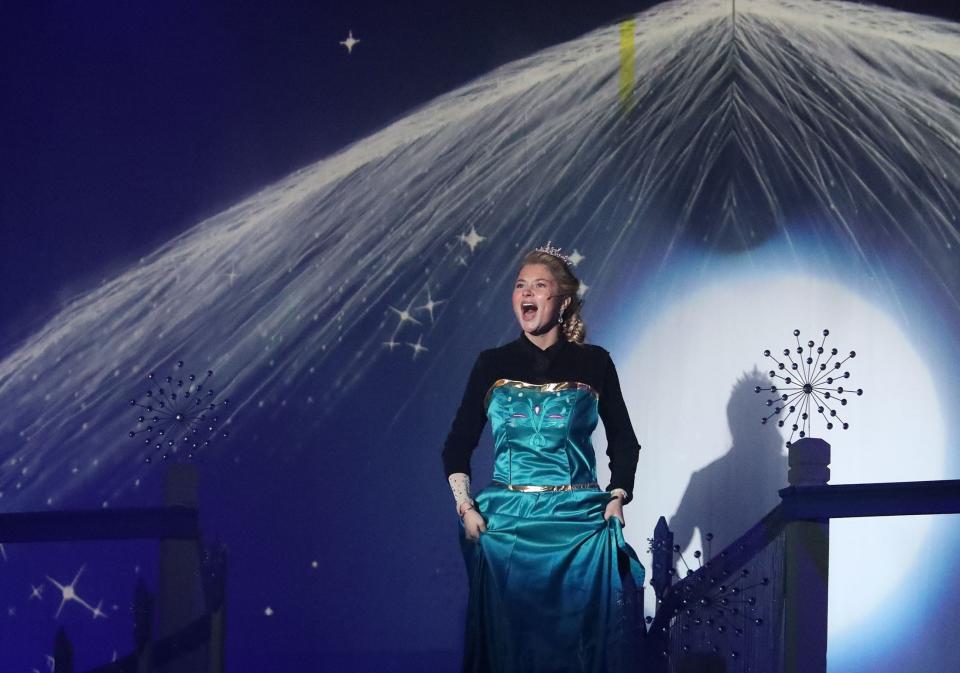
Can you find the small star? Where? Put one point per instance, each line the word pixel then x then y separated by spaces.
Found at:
pixel 405 316
pixel 268 611
pixel 391 344
pixel 231 275
pixel 69 593
pixel 473 239
pixel 11 611
pixel 350 42
pixel 575 257
pixel 36 592
pixel 417 347
pixel 314 565
pixel 583 288
pixel 430 305
pixel 461 260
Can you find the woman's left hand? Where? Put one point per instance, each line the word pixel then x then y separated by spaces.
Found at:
pixel 615 508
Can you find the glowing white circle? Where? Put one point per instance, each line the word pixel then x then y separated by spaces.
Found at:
pixel 677 381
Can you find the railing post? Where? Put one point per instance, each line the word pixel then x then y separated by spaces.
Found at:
pixel 807 560
pixel 657 644
pixel 179 587
pixel 143 627
pixel 662 551
pixel 215 590
pixel 62 653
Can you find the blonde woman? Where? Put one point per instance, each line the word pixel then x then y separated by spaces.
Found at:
pixel 553 584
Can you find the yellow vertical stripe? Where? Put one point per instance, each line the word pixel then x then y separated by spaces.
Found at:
pixel 627 60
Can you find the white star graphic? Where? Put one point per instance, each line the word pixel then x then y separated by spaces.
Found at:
pixel 36 592
pixel 473 239
pixel 429 306
pixel 417 347
pixel 404 316
pixel 69 593
pixel 232 275
pixel 391 344
pixel 583 288
pixel 268 611
pixel 350 42
pixel 575 257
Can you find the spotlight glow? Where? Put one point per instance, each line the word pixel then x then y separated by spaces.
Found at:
pixel 698 349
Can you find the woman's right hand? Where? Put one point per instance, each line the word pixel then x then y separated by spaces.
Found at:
pixel 473 525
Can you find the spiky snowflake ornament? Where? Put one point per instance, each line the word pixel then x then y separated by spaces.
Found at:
pixel 813 382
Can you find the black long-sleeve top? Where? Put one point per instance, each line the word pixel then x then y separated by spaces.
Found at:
pixel 522 360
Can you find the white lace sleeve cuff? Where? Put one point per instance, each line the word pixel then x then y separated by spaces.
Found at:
pixel 460 485
pixel 620 492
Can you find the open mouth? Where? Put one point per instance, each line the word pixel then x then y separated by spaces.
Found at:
pixel 528 310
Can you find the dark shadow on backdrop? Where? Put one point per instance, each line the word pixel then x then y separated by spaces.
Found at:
pixel 732 493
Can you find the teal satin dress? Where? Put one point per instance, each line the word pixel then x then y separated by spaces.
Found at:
pixel 553 587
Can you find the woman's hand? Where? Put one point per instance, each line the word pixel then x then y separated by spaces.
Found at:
pixel 473 524
pixel 615 508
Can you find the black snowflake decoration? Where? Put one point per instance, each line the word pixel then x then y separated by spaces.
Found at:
pixel 178 415
pixel 712 615
pixel 811 386
pixel 715 615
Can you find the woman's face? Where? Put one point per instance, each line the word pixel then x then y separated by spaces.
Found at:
pixel 536 299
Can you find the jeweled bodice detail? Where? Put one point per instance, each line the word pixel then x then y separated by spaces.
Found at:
pixel 541 432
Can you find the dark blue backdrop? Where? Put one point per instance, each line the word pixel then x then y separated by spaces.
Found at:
pixel 121 126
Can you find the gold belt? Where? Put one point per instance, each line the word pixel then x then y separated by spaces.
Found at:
pixel 526 488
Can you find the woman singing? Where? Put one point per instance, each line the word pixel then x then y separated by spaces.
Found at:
pixel 553 585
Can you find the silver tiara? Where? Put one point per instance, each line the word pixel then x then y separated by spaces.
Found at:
pixel 554 251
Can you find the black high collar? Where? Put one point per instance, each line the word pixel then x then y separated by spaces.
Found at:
pixel 556 347
pixel 550 352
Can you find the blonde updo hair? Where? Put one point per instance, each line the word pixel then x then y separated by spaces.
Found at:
pixel 572 328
